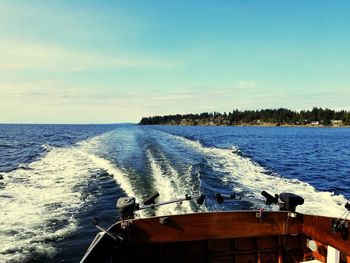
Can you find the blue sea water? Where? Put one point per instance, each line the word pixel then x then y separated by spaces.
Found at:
pixel 55 178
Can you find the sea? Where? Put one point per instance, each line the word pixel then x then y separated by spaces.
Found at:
pixel 54 179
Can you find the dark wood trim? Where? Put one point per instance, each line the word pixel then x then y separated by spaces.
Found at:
pixel 238 235
pixel 319 228
pixel 214 225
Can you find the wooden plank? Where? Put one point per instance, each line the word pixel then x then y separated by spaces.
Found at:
pixel 214 225
pixel 319 229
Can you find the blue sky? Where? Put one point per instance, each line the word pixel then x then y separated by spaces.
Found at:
pixel 117 61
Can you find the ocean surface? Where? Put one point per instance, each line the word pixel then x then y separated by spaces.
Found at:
pixel 55 178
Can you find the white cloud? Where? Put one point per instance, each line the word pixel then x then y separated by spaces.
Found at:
pixel 18 55
pixel 53 101
pixel 246 84
pixel 46 92
pixel 11 67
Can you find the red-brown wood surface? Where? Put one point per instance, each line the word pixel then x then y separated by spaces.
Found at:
pixel 238 236
pixel 215 225
pixel 319 228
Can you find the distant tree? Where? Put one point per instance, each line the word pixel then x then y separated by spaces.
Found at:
pixel 347 118
pixel 314 115
pixel 339 115
pixel 280 116
pixel 326 116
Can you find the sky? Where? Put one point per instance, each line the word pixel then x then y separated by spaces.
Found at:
pixel 118 61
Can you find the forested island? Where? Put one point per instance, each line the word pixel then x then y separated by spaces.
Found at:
pixel 267 117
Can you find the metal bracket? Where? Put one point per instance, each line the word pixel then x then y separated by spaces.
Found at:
pixel 163 220
pixel 259 215
pixel 125 224
pixel 341 227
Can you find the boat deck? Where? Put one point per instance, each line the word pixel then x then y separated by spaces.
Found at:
pixel 262 249
pixel 239 236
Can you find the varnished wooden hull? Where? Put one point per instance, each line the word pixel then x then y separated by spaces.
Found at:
pixel 220 237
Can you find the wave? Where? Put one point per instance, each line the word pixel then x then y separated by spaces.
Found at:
pixel 242 175
pixel 165 179
pixel 24 166
pixel 120 177
pixel 42 202
pixel 169 185
pixel 47 147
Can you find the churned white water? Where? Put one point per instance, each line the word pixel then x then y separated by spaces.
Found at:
pixel 169 186
pixel 39 202
pixel 244 175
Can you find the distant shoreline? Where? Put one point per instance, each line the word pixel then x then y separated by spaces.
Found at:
pixel 317 117
pixel 255 125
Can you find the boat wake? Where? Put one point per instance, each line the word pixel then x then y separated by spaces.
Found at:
pixel 41 201
pixel 242 175
pixel 39 204
pixel 169 186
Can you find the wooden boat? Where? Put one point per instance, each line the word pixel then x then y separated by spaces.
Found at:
pixel 238 236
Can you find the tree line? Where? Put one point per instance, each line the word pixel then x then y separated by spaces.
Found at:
pixel 281 116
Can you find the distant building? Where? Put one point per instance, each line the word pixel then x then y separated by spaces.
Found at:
pixel 337 122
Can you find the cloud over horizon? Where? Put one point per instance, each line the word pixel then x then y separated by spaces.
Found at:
pixel 22 55
pixel 85 62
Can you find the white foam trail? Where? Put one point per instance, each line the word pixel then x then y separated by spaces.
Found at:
pixel 244 174
pixel 163 186
pixel 182 182
pixel 35 202
pixel 36 199
pixel 184 185
pixel 169 187
pixel 96 144
pixel 47 147
pixel 109 167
